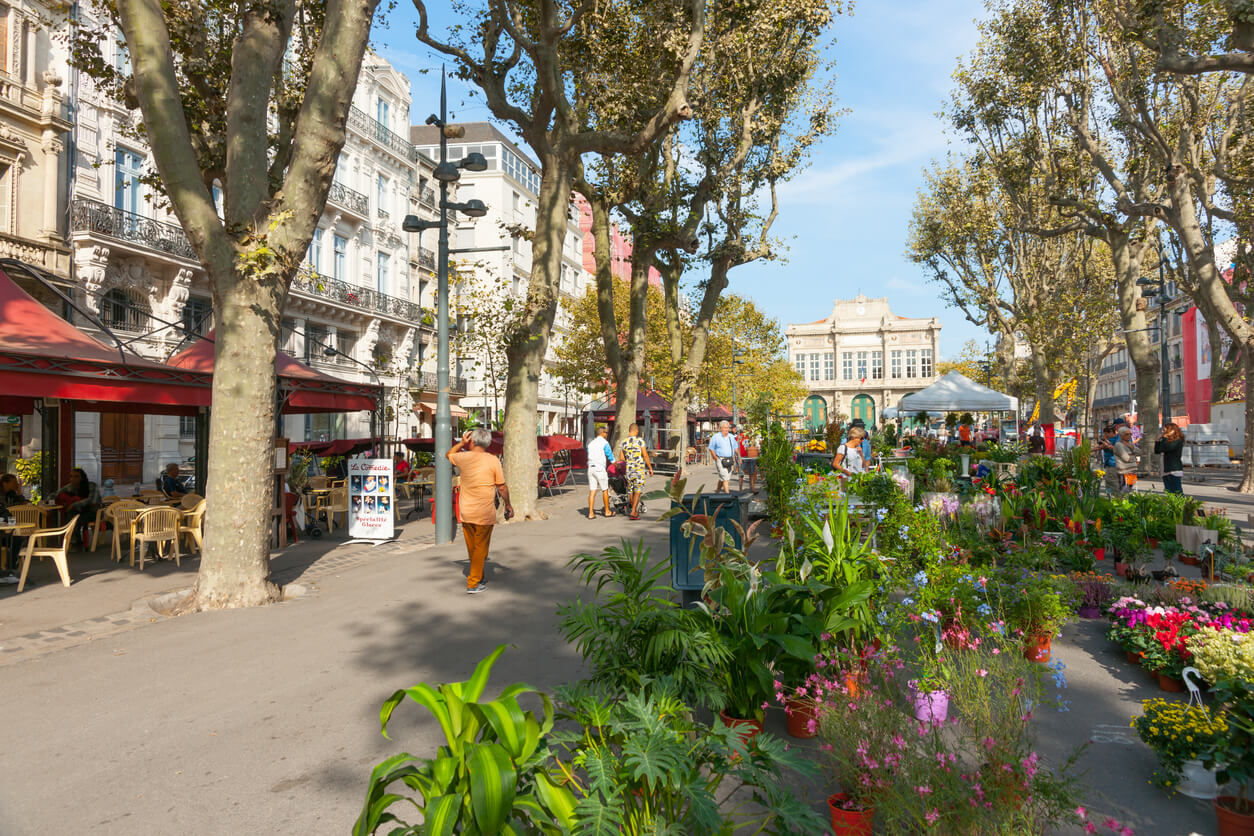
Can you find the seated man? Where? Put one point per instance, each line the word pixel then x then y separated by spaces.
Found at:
pixel 170 484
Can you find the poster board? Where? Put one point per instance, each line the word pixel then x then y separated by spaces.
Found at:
pixel 371 499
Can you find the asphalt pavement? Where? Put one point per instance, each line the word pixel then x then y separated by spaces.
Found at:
pixel 265 721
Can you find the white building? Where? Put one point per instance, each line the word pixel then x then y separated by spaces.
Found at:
pixel 861 359
pixel 509 187
pixel 360 293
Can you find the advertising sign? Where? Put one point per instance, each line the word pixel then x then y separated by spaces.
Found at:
pixel 370 499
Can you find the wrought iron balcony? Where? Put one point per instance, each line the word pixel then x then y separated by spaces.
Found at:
pixel 427 382
pixel 315 284
pixel 103 219
pixel 355 202
pixel 426 259
pixel 383 214
pixel 361 121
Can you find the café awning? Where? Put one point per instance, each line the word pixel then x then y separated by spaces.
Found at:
pixel 44 356
pixel 304 389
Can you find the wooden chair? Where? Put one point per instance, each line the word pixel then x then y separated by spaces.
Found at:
pixel 26 517
pixel 58 551
pixel 120 515
pixel 193 524
pixel 328 505
pixel 190 501
pixel 155 525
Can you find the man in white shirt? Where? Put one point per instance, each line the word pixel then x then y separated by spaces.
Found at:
pixel 723 451
pixel 599 457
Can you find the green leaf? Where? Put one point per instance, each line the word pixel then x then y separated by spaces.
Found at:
pixel 557 800
pixel 509 722
pixel 493 783
pixel 441 815
pixel 479 679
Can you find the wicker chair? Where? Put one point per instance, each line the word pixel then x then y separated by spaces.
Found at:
pixel 193 525
pixel 189 501
pixel 58 551
pixel 155 525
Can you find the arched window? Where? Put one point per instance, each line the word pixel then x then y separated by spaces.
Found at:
pixel 121 311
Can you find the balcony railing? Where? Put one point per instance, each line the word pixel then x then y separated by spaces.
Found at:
pixel 325 287
pixel 426 259
pixel 361 121
pixel 426 382
pixel 383 214
pixel 103 219
pixel 1114 400
pixel 355 202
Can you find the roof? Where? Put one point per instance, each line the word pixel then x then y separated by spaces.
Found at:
pixel 646 401
pixel 44 356
pixel 477 133
pixel 953 392
pixel 305 390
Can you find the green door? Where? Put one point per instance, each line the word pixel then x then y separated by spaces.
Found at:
pixel 814 412
pixel 863 407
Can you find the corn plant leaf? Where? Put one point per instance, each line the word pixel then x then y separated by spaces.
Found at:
pixel 493 782
pixel 441 815
pixel 558 801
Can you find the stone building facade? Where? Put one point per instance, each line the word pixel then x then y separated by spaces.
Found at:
pixel 861 359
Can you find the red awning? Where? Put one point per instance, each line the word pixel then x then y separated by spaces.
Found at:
pixel 553 443
pixel 304 389
pixel 337 447
pixel 43 356
pixel 427 445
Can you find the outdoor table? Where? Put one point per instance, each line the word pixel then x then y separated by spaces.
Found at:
pixel 45 511
pixel 408 487
pixel 7 528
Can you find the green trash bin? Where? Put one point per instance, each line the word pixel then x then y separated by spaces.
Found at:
pixel 687 576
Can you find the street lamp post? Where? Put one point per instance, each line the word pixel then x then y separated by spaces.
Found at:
pixel 1159 288
pixel 446 173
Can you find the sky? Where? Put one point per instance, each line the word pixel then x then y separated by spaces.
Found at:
pixel 844 220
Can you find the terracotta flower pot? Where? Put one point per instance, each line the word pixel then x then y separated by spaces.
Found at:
pixel 1036 647
pixel 1121 568
pixel 1133 657
pixel 1170 683
pixel 1153 542
pixel 1190 560
pixel 747 728
pixel 1231 822
pixel 802 718
pixel 849 822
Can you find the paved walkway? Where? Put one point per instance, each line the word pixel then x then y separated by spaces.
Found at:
pixel 266 720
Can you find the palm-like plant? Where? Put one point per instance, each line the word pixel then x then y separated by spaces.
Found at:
pixel 633 636
pixel 639 764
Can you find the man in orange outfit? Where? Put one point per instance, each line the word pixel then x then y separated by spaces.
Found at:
pixel 481 479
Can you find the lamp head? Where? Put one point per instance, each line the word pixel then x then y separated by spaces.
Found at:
pixel 474 161
pixel 413 223
pixel 446 172
pixel 1145 281
pixel 435 120
pixel 328 351
pixel 474 208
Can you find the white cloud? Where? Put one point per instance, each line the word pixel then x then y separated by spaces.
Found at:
pixel 829 184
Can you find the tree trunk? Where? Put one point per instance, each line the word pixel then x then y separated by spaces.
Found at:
pixel 633 361
pixel 688 364
pixel 235 563
pixel 1247 458
pixel 526 350
pixel 1126 256
pixel 1043 385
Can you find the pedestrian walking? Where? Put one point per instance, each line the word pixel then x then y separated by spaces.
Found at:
pixel 636 457
pixel 1170 445
pixel 723 451
pixel 599 457
pixel 481 479
pixel 1125 459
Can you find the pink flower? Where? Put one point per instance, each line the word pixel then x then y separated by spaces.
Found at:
pixel 933 816
pixel 1081 812
pixel 982 672
pixel 923 790
pixel 1089 827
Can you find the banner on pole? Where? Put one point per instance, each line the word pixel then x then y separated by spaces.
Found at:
pixel 370 499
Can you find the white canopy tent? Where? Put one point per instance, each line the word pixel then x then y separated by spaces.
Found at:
pixel 955 392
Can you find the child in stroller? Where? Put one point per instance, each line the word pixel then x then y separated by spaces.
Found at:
pixel 617 471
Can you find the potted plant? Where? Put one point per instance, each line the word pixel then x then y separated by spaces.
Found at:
pixel 1093 593
pixel 1225 658
pixel 1036 607
pixel 1181 734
